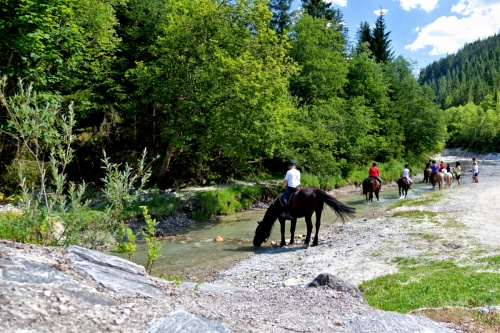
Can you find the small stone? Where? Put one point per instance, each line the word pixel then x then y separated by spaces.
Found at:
pixel 218 239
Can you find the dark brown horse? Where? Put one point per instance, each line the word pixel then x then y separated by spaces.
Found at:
pixel 403 185
pixel 304 203
pixel 370 186
pixel 427 175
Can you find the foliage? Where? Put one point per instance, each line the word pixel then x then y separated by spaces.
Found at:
pixel 233 111
pixel 437 284
pixel 54 210
pixel 475 127
pixel 126 242
pixel 215 92
pixel 159 205
pixel 380 42
pixel 176 279
pixel 282 18
pixel 324 182
pixel 120 186
pixel 467 76
pixel 390 171
pixel 149 232
pixel 225 201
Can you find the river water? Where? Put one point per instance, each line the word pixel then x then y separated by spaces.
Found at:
pixel 192 252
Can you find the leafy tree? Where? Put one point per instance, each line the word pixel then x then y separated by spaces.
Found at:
pixel 318 47
pixel 420 123
pixel 218 87
pixel 367 89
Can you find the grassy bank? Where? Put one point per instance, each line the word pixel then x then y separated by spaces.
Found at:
pixel 448 290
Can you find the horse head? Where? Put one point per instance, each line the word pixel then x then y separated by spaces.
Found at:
pixel 261 234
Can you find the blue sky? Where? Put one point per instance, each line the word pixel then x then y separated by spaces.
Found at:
pixel 424 30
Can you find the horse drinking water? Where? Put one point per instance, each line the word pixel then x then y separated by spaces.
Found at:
pixel 303 203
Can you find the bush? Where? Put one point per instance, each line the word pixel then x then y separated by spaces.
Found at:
pixel 226 201
pixel 324 182
pixel 159 205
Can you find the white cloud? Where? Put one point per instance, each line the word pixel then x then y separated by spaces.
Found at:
pixel 476 19
pixel 341 3
pixel 426 5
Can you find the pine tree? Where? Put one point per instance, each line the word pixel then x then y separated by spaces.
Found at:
pixel 320 9
pixel 281 14
pixel 364 35
pixel 380 45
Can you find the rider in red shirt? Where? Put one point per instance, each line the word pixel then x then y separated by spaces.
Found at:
pixel 375 173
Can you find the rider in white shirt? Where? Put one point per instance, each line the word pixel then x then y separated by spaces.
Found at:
pixel 292 180
pixel 406 173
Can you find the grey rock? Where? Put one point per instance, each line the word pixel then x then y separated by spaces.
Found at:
pixel 114 273
pixel 23 272
pixel 335 283
pixel 389 322
pixel 182 321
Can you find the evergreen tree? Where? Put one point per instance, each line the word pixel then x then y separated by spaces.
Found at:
pixel 281 14
pixel 363 35
pixel 320 9
pixel 380 45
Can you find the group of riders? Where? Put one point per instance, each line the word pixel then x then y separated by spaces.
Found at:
pixel 292 177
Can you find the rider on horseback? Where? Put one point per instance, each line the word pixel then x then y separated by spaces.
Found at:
pixel 292 180
pixel 375 173
pixel 434 169
pixel 406 174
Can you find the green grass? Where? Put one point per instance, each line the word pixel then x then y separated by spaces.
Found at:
pixel 491 262
pixel 414 214
pixel 425 200
pixel 435 284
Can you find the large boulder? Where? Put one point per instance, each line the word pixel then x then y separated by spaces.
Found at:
pixel 114 273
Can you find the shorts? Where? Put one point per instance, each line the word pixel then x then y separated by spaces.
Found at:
pixel 458 176
pixel 475 174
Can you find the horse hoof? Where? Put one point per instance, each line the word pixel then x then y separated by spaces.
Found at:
pixel 305 246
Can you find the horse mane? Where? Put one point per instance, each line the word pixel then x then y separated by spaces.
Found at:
pixel 267 223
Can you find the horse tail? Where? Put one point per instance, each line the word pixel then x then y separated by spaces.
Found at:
pixel 338 207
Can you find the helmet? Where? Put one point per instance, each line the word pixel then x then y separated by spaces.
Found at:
pixel 291 162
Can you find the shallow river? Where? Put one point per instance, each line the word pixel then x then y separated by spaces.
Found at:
pixel 192 252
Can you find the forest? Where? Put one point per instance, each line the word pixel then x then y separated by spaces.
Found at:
pixel 214 90
pixel 467 85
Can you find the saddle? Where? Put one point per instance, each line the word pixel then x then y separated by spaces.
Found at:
pixel 297 190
